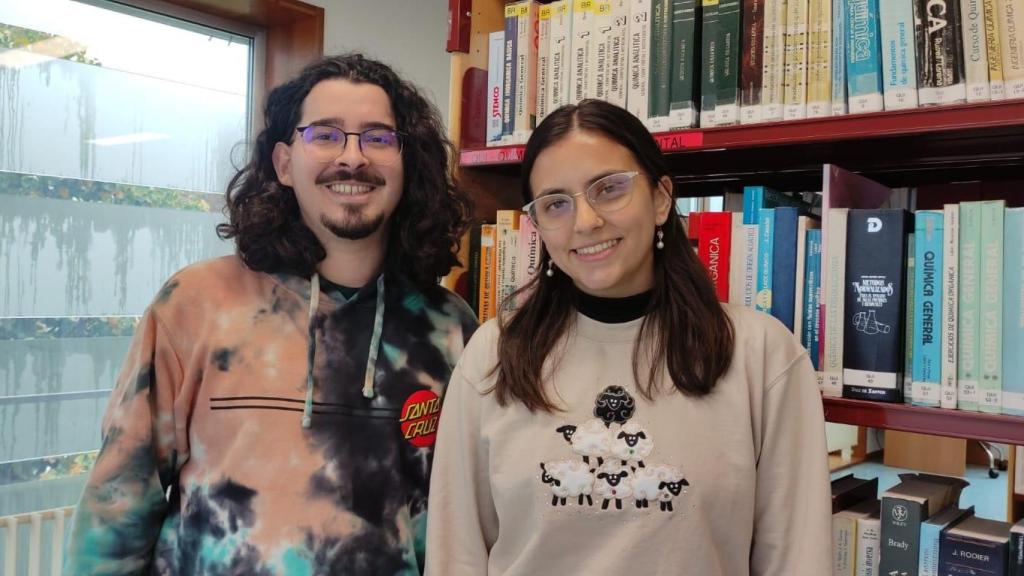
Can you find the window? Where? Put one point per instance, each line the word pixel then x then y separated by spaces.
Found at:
pixel 119 130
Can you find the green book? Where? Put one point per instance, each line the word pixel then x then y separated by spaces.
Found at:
pixel 990 384
pixel 968 343
pixel 685 39
pixel 660 72
pixel 727 65
pixel 708 61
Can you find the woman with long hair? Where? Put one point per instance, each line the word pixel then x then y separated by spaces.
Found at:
pixel 622 420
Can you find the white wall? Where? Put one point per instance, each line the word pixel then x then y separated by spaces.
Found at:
pixel 408 35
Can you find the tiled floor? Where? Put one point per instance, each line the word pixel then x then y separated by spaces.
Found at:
pixel 987 495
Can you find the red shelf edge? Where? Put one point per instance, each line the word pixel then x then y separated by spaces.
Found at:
pixel 829 129
pixel 999 428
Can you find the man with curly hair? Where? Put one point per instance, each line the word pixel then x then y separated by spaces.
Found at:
pixel 277 410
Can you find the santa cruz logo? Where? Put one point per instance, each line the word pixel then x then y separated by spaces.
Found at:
pixel 420 415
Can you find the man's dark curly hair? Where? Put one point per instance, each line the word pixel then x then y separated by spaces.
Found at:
pixel 263 214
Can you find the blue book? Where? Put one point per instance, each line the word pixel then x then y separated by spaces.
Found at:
pixel 899 64
pixel 810 333
pixel 765 241
pixel 931 532
pixel 863 57
pixel 784 264
pixel 757 197
pixel 838 57
pixel 927 333
pixel 1013 312
pixel 508 91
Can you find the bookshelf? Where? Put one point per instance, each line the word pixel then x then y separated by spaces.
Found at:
pixel 935 145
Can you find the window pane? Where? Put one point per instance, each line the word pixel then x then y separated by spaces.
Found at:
pixel 119 131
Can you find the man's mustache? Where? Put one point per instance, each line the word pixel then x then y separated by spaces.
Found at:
pixel 364 176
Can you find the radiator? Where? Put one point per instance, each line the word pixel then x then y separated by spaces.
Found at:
pixel 25 550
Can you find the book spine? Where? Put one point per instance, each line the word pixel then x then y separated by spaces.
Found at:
pixel 714 247
pixel 795 66
pixel 950 302
pixel 941 70
pixel 901 536
pixel 774 60
pixel 812 295
pixel 752 65
pixel 495 86
pixel 529 262
pixel 503 247
pixel 873 346
pixel 784 265
pixel 962 554
pixel 543 61
pixel 560 47
pixel 899 64
pixel 659 66
pixel 868 535
pixel 765 249
pixel 709 62
pixel 1013 314
pixel 736 259
pixel 473 269
pixel 508 90
pixel 487 273
pixel 582 44
pixel 685 39
pixel 618 53
pixel 928 251
pixel 750 253
pixel 819 59
pixel 972 12
pixel 753 201
pixel 968 348
pixel 995 52
pixel 639 57
pixel 990 386
pixel 1016 565
pixel 838 57
pixel 835 271
pixel 727 76
pixel 799 277
pixel 526 71
pixel 844 544
pixel 908 332
pixel 602 61
pixel 863 57
pixel 1011 34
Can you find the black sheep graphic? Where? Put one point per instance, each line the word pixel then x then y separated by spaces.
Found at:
pixel 614 404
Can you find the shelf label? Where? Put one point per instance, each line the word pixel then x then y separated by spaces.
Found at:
pixel 505 155
pixel 677 141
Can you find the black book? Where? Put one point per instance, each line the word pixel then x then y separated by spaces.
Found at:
pixel 904 507
pixel 975 547
pixel 849 490
pixel 1016 567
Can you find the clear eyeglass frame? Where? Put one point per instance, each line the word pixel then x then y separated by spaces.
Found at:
pixel 608 194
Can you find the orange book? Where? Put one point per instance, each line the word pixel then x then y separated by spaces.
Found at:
pixel 488 292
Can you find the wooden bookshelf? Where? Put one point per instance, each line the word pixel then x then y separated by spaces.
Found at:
pixel 935 421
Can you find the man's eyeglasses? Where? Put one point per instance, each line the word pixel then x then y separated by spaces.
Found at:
pixel 325 143
pixel 553 211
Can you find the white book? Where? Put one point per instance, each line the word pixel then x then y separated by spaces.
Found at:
pixel 560 48
pixel 543 61
pixel 495 85
pixel 618 53
pixel 1011 36
pixel 795 83
pixel 773 60
pixel 582 71
pixel 819 59
pixel 601 61
pixel 899 62
pixel 639 58
pixel 525 70
pixel 750 241
pixel 869 535
pixel 972 17
pixel 736 271
pixel 834 267
pixel 950 303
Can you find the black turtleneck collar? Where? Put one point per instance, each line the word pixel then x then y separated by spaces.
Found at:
pixel 613 310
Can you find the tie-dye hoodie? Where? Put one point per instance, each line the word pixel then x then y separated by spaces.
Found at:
pixel 206 467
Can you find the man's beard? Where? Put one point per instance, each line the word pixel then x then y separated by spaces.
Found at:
pixel 354 225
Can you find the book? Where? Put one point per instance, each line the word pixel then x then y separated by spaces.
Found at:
pixel 560 47
pixel 1016 564
pixel 684 90
pixel 975 547
pixel 972 13
pixel 508 85
pixel 844 536
pixel 905 507
pixel 863 57
pixel 639 58
pixel 659 66
pixel 473 268
pixel 995 53
pixel 908 331
pixel 928 252
pixel 784 264
pixel 876 248
pixel 990 310
pixel 713 248
pixel 869 531
pixel 506 256
pixel 528 262
pixel 543 61
pixel 1013 315
pixel 765 250
pixel 526 69
pixel 708 62
pixel 495 86
pixel 618 50
pixel 752 61
pixel 838 57
pixel 794 90
pixel 950 303
pixel 773 60
pixel 819 59
pixel 1011 37
pixel 488 290
pixel 848 490
pixel 727 73
pixel 940 71
pixel 931 533
pixel 810 333
pixel 968 317
pixel 737 257
pixel 803 225
pixel 899 63
pixel 581 70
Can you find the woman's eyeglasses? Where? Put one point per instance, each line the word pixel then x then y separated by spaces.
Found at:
pixel 611 193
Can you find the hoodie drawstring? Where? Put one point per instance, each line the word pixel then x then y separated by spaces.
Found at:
pixel 371 360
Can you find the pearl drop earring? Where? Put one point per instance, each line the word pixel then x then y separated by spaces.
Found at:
pixel 660 244
pixel 551 268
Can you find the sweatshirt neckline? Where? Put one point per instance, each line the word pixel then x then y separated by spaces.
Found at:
pixel 607 332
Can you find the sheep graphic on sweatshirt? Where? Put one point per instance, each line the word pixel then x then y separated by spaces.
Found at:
pixel 612 449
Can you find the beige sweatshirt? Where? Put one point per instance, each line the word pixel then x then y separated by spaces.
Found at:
pixel 731 484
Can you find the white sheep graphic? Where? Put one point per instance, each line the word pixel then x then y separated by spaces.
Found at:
pixel 612 483
pixel 568 478
pixel 592 439
pixel 631 443
pixel 661 483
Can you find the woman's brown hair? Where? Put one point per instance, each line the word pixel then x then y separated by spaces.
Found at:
pixel 685 328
